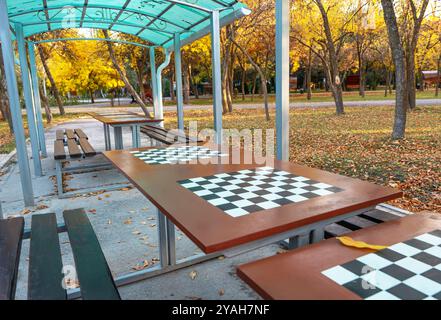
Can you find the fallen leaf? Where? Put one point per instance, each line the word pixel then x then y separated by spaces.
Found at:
pixel 128 221
pixel 26 211
pixel 193 275
pixel 221 292
pixel 153 225
pixel 141 266
pixel 136 232
pixel 42 207
pixel 92 211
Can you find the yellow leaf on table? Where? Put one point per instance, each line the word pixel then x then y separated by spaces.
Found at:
pixel 349 242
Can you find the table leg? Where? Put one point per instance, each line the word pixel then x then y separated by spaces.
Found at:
pixel 171 239
pixel 119 144
pixel 107 137
pixel 162 239
pixel 136 136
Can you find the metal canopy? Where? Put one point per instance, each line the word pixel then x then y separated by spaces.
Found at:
pixel 155 21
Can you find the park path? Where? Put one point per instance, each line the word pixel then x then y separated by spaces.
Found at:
pixel 106 105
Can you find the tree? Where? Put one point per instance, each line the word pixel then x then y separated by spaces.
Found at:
pixel 4 99
pixel 44 57
pixel 123 76
pixel 400 69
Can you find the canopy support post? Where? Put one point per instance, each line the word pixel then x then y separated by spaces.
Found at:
pixel 14 101
pixel 216 75
pixel 179 91
pixel 154 82
pixel 160 106
pixel 282 78
pixel 28 100
pixel 37 100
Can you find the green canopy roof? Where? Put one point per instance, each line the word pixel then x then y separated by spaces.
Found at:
pixel 155 21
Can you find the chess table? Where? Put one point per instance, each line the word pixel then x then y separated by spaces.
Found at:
pixel 119 120
pixel 232 208
pixel 409 269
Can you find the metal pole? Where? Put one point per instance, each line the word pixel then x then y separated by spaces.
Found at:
pixel 37 100
pixel 154 82
pixel 160 106
pixel 282 78
pixel 14 101
pixel 28 99
pixel 178 70
pixel 216 75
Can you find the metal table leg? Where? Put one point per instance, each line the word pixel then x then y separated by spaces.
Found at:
pixel 119 144
pixel 136 136
pixel 107 139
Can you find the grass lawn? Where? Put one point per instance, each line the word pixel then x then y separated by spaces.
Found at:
pixel 316 97
pixel 7 142
pixel 358 145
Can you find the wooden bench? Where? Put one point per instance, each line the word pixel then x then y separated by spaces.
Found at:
pixel 46 276
pixel 73 144
pixel 168 137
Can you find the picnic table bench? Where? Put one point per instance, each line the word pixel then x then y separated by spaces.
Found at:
pixel 46 276
pixel 74 145
pixel 168 137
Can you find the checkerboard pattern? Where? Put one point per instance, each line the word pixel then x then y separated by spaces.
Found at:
pixel 410 270
pixel 174 155
pixel 247 191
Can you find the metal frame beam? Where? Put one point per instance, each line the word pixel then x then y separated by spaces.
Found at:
pixel 179 86
pixel 155 19
pixel 154 85
pixel 28 96
pixel 119 23
pixel 37 100
pixel 94 39
pixel 119 14
pixel 83 14
pixel 160 106
pixel 92 6
pixel 282 78
pixel 216 76
pixel 14 101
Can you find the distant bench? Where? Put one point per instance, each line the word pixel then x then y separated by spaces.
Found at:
pixel 168 137
pixel 73 144
pixel 45 264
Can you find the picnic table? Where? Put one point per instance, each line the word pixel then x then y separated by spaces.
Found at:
pixel 409 269
pixel 227 209
pixel 119 120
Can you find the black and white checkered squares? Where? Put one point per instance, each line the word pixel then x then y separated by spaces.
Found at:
pixel 247 191
pixel 405 271
pixel 174 155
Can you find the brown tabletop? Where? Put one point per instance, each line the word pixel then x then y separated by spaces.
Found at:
pixel 212 229
pixel 297 275
pixel 123 118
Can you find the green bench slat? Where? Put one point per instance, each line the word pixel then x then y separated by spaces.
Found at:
pixel 88 150
pixel 70 134
pixel 11 233
pixel 59 153
pixel 74 149
pixel 80 133
pixel 45 264
pixel 60 135
pixel 96 281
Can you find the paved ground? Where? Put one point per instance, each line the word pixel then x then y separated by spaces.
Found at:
pixel 102 104
pixel 125 224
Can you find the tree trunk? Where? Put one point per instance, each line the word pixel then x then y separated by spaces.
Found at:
pixel 362 90
pixel 438 83
pixel 402 97
pixel 334 77
pixel 123 76
pixel 45 103
pixel 193 83
pixel 411 83
pixel 172 87
pixel 51 79
pixel 4 99
pixel 92 97
pixel 244 78
pixel 186 84
pixel 253 89
pixel 387 84
pixel 309 76
pixel 262 78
